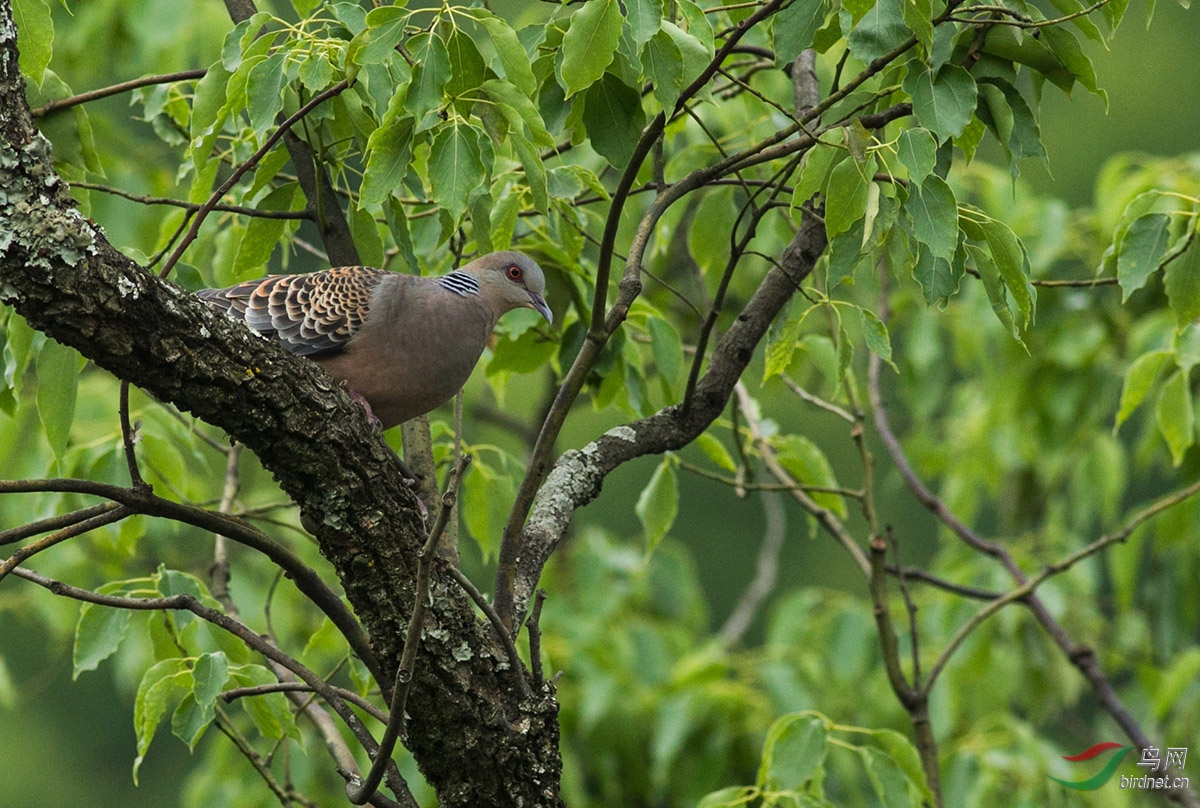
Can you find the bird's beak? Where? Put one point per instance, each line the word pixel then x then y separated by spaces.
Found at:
pixel 538 304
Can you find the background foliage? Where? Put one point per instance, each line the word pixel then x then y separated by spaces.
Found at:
pixel 1044 416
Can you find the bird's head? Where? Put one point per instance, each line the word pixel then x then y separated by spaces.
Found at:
pixel 512 280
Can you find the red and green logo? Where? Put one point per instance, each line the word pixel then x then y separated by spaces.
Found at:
pixel 1101 777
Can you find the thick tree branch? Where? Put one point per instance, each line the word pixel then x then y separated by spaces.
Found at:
pixel 61 274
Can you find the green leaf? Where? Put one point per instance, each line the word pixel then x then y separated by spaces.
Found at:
pixel 590 44
pixel 696 54
pixel 466 66
pixel 793 28
pixel 98 634
pixel 262 233
pixel 716 452
pixel 485 504
pixel 943 102
pixel 1010 258
pixel 614 119
pixel 1013 120
pixel 934 213
pixel 658 504
pixel 429 78
pixel 993 284
pixel 365 232
pixel 378 41
pixel 901 752
pixel 1140 251
pixel 1176 418
pixel 667 348
pixel 918 16
pixel 644 18
pixel 513 57
pixel 35 36
pixel 662 64
pixel 876 334
pixel 809 465
pixel 781 346
pixel 793 752
pixel 264 92
pixel 455 168
pixel 270 712
pixel 846 197
pixel 58 378
pixel 517 109
pixel 1182 282
pixel 1065 47
pixel 535 170
pixel 210 674
pixel 190 721
pixel 818 164
pixel 1139 379
pixel 389 155
pixel 917 150
pixel 162 687
pixel 881 30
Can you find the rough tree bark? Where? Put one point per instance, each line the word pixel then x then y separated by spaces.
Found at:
pixel 477 741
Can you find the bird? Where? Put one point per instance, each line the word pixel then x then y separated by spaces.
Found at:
pixel 401 344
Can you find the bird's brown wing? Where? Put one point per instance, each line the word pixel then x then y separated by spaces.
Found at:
pixel 312 314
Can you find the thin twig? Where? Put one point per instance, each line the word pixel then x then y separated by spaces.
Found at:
pixel 11 563
pixel 22 532
pixel 115 89
pixel 194 207
pixel 300 687
pixel 534 628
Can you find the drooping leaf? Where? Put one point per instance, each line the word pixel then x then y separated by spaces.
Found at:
pixel 658 504
pixel 644 18
pixel 1142 248
pixel 163 687
pixel 846 197
pixel 880 31
pixel 98 634
pixel 1139 380
pixel 455 167
pixel 614 119
pixel 934 213
pixel 917 151
pixel 944 101
pixel 793 28
pixel 36 31
pixel 662 64
pixel 1182 282
pixel 1176 416
pixel 513 58
pixel 58 377
pixel 793 752
pixel 590 44
pixel 378 41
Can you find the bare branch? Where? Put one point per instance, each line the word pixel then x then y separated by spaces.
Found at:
pixel 124 87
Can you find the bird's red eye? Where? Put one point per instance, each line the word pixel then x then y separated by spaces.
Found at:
pixel 513 272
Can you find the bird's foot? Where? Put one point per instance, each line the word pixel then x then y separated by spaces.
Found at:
pixel 372 419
